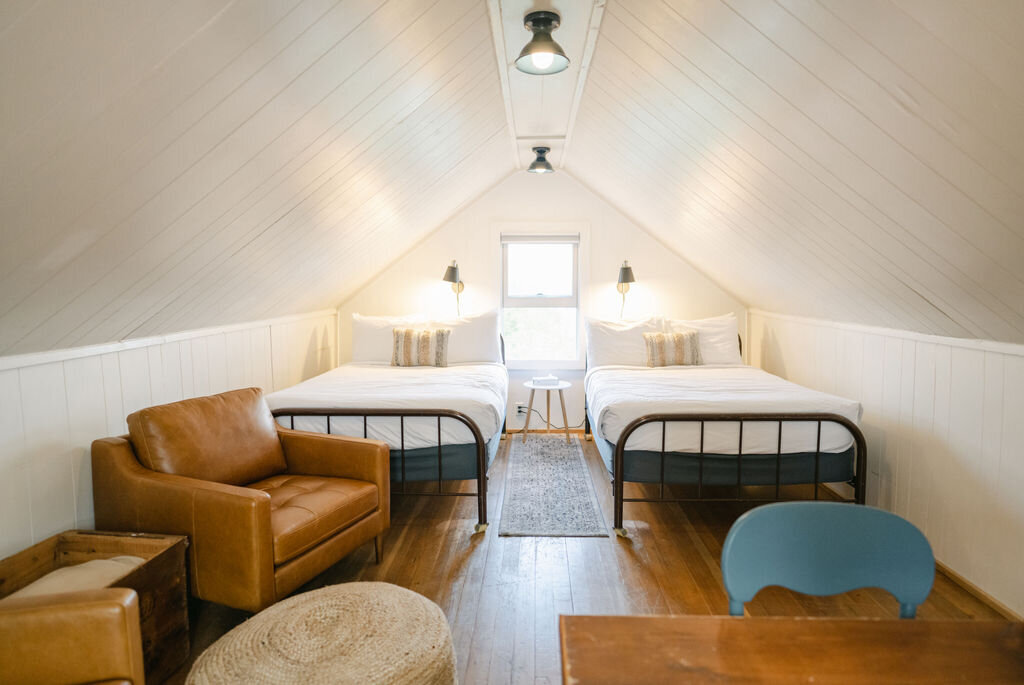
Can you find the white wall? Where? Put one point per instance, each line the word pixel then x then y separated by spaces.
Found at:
pixel 666 283
pixel 944 421
pixel 54 404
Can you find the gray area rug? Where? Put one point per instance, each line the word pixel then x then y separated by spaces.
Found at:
pixel 548 491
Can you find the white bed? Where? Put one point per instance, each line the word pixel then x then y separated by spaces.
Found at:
pixel 619 394
pixel 478 390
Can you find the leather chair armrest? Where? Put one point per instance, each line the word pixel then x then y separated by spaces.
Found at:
pixel 338 456
pixel 231 556
pixel 76 637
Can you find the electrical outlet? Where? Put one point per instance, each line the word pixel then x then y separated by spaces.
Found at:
pixel 520 409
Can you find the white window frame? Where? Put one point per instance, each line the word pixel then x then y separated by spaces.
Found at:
pixel 542 301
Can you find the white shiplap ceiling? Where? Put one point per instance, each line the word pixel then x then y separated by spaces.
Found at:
pixel 168 166
pixel 860 161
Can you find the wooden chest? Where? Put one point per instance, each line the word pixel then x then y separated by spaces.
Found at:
pixel 159 582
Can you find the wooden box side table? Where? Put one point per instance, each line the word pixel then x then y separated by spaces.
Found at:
pixel 159 581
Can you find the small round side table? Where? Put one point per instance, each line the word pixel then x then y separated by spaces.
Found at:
pixel 562 385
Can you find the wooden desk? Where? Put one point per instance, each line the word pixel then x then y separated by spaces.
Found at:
pixel 722 649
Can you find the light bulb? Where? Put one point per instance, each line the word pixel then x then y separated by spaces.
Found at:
pixel 542 60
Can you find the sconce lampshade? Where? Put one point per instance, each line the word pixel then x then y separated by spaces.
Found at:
pixel 451 274
pixel 542 55
pixel 626 273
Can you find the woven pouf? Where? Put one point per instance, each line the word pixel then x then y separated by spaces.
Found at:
pixel 348 633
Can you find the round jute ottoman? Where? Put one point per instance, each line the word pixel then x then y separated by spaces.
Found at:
pixel 348 633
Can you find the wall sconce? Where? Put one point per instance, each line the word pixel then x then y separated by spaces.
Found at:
pixel 625 278
pixel 451 275
pixel 542 55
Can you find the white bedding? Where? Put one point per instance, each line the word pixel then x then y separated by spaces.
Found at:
pixel 477 390
pixel 616 395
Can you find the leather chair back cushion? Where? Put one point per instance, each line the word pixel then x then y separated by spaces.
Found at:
pixel 228 438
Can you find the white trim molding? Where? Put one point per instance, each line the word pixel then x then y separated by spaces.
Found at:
pixel 17 361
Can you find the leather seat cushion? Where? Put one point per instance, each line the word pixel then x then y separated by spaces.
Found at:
pixel 306 510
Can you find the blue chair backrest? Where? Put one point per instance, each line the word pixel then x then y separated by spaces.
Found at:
pixel 826 548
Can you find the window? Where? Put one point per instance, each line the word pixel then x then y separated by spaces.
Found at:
pixel 540 297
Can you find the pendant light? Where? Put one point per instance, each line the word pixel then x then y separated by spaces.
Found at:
pixel 541 165
pixel 542 55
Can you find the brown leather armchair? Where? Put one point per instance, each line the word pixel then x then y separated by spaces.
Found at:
pixel 266 508
pixel 77 637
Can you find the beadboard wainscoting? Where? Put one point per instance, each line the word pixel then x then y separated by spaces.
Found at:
pixel 944 421
pixel 54 404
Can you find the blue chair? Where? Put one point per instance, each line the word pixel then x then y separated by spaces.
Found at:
pixel 826 548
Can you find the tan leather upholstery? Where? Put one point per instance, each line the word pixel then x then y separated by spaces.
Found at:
pixel 77 637
pixel 228 438
pixel 247 551
pixel 306 510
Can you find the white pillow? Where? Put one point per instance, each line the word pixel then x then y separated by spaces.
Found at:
pixel 718 338
pixel 619 342
pixel 372 336
pixel 473 338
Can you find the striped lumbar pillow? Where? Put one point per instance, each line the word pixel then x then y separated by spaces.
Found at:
pixel 672 349
pixel 416 347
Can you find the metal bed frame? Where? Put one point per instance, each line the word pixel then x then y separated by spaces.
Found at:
pixel 481 447
pixel 481 444
pixel 620 455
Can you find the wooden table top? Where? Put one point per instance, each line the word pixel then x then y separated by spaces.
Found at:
pixel 724 649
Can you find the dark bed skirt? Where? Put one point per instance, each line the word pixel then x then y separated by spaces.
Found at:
pixel 642 466
pixel 458 462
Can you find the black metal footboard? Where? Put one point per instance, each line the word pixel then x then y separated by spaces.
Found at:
pixel 620 456
pixel 401 415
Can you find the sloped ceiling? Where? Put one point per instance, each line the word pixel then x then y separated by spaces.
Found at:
pixel 860 161
pixel 174 165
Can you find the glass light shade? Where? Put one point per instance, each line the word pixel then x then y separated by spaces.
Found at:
pixel 542 55
pixel 540 165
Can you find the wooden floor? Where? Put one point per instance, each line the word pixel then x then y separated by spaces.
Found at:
pixel 503 596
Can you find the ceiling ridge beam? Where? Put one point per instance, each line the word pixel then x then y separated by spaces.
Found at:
pixel 498 40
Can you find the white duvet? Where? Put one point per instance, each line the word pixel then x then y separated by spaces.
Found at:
pixel 616 395
pixel 477 390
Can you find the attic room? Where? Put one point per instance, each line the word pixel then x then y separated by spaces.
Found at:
pixel 500 341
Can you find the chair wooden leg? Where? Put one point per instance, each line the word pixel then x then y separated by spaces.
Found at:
pixel 378 548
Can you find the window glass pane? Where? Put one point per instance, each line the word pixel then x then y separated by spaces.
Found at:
pixel 540 269
pixel 539 333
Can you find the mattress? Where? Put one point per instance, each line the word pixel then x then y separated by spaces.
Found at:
pixel 477 390
pixel 617 395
